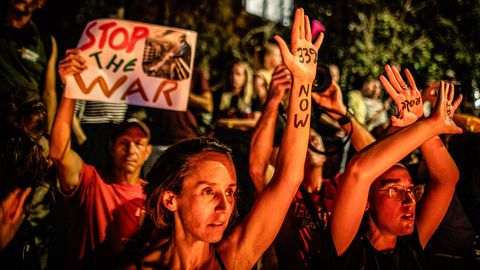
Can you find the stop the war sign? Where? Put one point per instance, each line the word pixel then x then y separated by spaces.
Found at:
pixel 135 63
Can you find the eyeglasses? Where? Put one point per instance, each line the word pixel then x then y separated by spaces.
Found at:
pixel 399 193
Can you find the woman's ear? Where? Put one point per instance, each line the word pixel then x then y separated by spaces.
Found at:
pixel 169 200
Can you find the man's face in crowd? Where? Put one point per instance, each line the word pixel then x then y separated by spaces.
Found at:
pixel 26 7
pixel 130 150
pixel 207 200
pixel 315 159
pixel 391 216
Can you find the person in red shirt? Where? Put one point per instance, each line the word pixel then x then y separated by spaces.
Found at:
pixel 106 209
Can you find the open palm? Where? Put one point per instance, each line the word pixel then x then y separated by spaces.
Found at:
pixel 407 98
pixel 302 59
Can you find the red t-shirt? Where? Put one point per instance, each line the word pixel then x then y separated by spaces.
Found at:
pixel 104 217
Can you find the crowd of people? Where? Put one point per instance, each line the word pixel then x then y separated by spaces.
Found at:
pixel 267 172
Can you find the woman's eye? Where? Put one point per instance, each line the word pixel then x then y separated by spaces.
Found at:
pixel 229 193
pixel 208 192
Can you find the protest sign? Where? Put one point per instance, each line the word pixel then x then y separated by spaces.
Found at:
pixel 135 63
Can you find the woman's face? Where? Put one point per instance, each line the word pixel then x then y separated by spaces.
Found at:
pixel 238 76
pixel 395 217
pixel 207 199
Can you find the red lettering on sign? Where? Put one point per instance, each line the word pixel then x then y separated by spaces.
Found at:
pixel 114 34
pixel 166 92
pixel 118 38
pixel 139 33
pixel 90 36
pixel 105 28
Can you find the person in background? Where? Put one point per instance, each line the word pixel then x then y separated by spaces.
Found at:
pixel 17 185
pixel 270 58
pixel 395 232
pixel 170 127
pixel 298 244
pixel 106 209
pixel 191 190
pixel 27 55
pixel 237 111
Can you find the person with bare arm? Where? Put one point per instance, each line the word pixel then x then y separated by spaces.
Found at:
pixel 378 189
pixel 191 190
pixel 106 209
pixel 298 244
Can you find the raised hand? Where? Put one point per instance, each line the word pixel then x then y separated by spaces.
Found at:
pixel 281 83
pixel 331 100
pixel 302 59
pixel 444 109
pixel 72 64
pixel 407 98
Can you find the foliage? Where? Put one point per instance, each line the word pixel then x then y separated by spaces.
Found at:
pixel 427 36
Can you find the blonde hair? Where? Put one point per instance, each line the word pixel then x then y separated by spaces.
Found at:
pixel 246 95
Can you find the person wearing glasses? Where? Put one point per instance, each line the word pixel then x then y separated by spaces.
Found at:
pixel 298 244
pixel 376 223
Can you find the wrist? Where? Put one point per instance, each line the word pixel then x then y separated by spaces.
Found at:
pixel 432 125
pixel 341 114
pixel 344 118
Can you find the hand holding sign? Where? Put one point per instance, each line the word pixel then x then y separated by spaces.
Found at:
pixel 130 62
pixel 72 64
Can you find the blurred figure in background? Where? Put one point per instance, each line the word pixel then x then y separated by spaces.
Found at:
pixel 237 111
pixel 27 55
pixel 269 57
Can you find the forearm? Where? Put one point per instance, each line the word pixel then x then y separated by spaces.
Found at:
pixel 293 150
pixel 68 163
pixel 440 165
pixel 203 101
pixel 80 136
pixel 261 146
pixel 50 101
pixel 239 123
pixel 361 137
pixel 60 140
pixel 50 91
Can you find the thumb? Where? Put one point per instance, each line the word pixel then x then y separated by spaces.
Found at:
pixel 395 121
pixel 283 47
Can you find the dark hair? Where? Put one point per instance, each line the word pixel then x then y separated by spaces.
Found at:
pixel 22 164
pixel 22 110
pixel 169 172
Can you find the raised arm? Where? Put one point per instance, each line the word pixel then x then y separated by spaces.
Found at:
pixel 250 238
pixel 332 101
pixel 203 101
pixel 443 171
pixel 50 90
pixel 68 163
pixel 261 146
pixel 443 178
pixel 365 167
